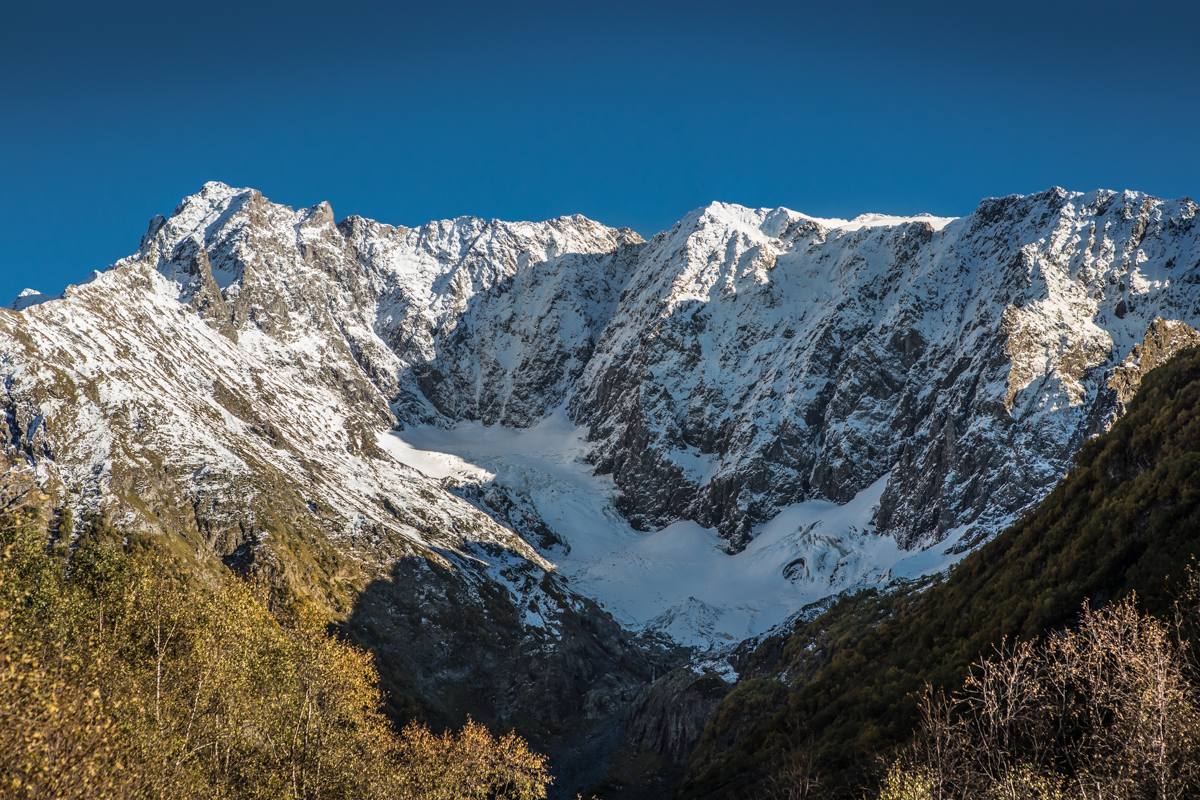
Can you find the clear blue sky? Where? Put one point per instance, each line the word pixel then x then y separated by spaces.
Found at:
pixel 630 113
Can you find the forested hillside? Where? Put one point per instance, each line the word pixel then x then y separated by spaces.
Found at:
pixel 132 672
pixel 847 683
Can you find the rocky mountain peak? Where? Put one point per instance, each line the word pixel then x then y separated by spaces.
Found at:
pixel 794 354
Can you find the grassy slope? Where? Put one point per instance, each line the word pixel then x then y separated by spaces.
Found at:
pixel 1123 520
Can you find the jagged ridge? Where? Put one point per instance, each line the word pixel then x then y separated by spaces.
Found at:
pixel 742 361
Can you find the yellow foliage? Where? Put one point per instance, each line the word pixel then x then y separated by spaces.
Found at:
pixel 55 739
pixel 124 677
pixel 470 764
pixel 902 784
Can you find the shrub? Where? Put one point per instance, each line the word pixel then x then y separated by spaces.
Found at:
pixel 1108 710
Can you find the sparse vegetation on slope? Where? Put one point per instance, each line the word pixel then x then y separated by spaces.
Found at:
pixel 1109 710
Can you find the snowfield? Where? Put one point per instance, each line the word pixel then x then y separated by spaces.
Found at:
pixel 680 580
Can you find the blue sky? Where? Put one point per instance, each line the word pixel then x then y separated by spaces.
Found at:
pixel 629 113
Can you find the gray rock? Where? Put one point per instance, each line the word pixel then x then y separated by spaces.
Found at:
pixel 669 716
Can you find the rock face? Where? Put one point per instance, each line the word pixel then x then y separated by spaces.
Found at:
pixel 669 716
pixel 744 360
pixel 1163 340
pixel 486 321
pixel 459 647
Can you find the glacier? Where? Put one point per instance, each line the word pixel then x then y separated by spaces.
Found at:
pixel 681 580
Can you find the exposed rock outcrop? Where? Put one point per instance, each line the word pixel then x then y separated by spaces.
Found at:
pixel 745 359
pixel 1163 339
pixel 669 716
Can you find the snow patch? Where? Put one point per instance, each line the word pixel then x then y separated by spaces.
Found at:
pixel 31 297
pixel 883 220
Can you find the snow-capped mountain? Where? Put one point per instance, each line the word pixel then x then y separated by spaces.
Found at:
pixel 761 357
pixel 227 386
pixel 233 383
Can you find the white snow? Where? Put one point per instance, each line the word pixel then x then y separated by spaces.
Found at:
pixel 882 220
pixel 679 580
pixel 31 297
pixel 156 370
pixel 771 221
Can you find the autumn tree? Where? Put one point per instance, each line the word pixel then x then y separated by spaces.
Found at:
pixel 124 675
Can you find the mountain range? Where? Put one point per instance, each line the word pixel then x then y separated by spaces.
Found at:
pixel 534 466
